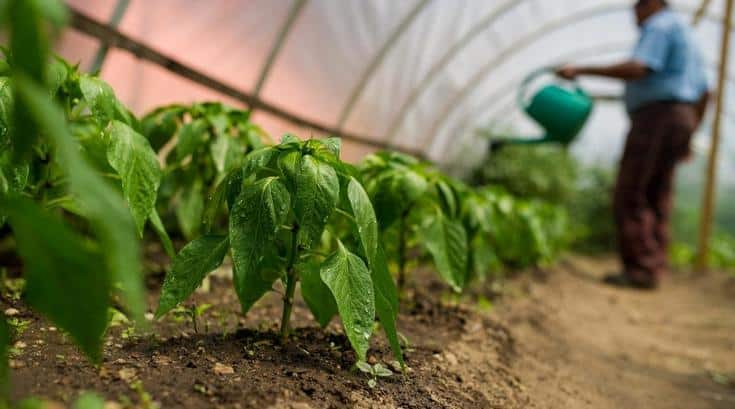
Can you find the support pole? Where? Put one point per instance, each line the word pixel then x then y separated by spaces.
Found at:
pixel 708 201
pixel 293 14
pixel 117 15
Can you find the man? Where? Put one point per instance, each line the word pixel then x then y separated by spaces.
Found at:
pixel 666 96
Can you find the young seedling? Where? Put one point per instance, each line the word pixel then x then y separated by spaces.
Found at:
pixel 374 371
pixel 296 214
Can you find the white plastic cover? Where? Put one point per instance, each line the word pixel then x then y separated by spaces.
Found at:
pixel 433 70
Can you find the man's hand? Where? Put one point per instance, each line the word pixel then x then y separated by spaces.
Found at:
pixel 567 72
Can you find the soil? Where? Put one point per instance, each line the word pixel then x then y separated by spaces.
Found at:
pixel 553 339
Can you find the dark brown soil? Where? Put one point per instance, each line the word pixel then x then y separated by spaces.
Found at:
pixel 555 339
pixel 176 366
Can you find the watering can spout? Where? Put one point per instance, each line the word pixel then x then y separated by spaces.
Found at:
pixel 561 111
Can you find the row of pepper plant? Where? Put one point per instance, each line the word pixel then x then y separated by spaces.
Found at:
pixel 81 179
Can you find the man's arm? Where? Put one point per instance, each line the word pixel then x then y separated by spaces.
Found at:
pixel 628 71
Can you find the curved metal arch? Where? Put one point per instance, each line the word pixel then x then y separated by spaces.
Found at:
pixel 377 61
pixel 520 45
pixel 485 23
pixel 293 14
pixel 451 53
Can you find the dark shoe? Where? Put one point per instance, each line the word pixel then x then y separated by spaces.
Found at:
pixel 625 281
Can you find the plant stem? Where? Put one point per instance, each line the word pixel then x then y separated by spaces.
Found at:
pixel 343 213
pixel 291 279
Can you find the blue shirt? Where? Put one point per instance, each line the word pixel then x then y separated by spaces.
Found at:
pixel 667 47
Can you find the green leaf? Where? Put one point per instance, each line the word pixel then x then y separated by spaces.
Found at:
pixel 189 268
pixel 367 225
pixel 221 193
pixel 317 193
pixel 64 280
pixel 219 121
pixel 349 281
pixel 446 240
pixel 258 212
pixel 382 371
pixel 316 294
pixel 89 400
pixel 288 164
pixel 257 159
pixel 52 10
pixel 364 367
pixel 132 157
pixel 13 176
pixel 191 137
pixel 28 42
pixel 29 48
pixel 99 96
pixel 6 111
pixel 333 144
pixel 287 139
pixel 57 72
pixel 94 143
pixel 160 125
pixel 394 192
pixel 110 220
pixel 447 198
pixel 224 152
pixel 157 224
pixel 386 294
pixel 190 208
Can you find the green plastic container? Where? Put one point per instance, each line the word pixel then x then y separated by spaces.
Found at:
pixel 561 111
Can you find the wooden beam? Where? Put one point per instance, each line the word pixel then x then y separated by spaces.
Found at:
pixel 708 201
pixel 115 38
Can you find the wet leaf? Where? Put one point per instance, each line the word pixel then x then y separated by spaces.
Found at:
pixel 257 214
pixel 349 280
pixel 188 269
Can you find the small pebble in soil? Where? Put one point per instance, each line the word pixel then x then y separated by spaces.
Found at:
pixel 11 312
pixel 222 369
pixel 126 374
pixel 15 364
pixel 451 358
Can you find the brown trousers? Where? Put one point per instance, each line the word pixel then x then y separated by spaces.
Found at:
pixel 658 140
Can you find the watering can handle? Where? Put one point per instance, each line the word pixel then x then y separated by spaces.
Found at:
pixel 533 76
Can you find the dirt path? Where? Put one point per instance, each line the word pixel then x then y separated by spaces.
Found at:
pixel 584 345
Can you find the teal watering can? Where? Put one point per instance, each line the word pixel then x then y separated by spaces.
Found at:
pixel 561 111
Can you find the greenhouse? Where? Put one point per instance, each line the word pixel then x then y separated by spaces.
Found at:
pixel 367 203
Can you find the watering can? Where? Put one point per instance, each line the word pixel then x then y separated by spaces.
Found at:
pixel 561 111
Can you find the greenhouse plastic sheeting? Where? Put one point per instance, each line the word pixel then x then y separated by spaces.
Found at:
pixel 420 75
